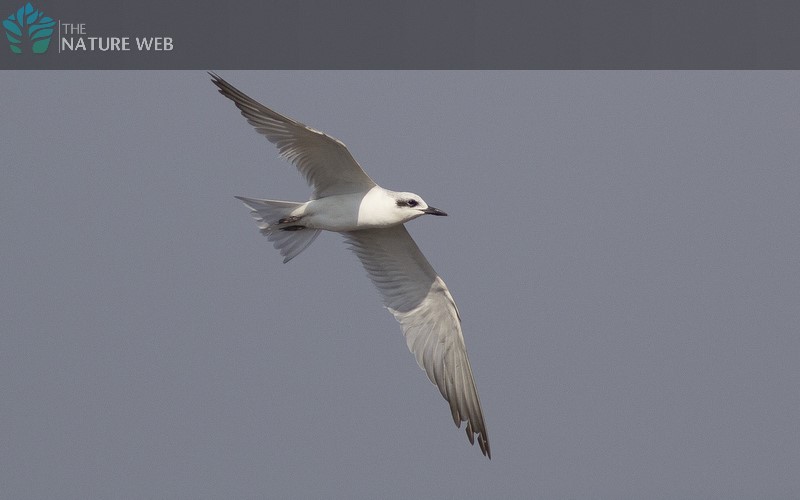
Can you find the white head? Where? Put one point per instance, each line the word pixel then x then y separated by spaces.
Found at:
pixel 409 206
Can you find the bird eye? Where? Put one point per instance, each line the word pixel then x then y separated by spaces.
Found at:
pixel 412 203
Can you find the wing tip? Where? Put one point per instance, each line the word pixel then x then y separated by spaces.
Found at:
pixel 223 87
pixel 483 440
pixel 216 79
pixel 484 444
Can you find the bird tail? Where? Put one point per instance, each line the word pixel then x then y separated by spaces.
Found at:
pixel 285 230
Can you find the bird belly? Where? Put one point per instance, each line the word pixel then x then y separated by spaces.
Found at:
pixel 333 213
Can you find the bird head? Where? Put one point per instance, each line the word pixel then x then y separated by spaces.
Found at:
pixel 410 206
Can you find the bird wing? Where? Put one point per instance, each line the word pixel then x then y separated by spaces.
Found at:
pixel 324 161
pixel 421 302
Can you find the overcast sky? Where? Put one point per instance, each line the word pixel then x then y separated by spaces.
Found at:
pixel 624 249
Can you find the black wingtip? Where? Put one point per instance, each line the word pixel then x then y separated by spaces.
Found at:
pixel 220 82
pixel 223 86
pixel 484 444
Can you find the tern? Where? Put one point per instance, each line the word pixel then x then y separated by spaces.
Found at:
pixel 371 219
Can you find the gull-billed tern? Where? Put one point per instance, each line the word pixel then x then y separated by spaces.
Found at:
pixel 371 218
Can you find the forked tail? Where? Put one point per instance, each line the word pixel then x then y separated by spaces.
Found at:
pixel 286 231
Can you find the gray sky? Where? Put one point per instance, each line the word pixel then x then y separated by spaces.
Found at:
pixel 624 249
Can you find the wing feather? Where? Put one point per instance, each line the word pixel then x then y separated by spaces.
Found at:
pixel 323 160
pixel 421 302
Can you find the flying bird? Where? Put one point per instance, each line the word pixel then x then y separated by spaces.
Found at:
pixel 371 219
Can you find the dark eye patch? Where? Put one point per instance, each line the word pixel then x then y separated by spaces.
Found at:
pixel 407 203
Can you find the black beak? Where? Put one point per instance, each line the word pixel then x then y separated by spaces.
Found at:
pixel 433 211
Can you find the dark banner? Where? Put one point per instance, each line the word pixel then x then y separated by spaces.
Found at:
pixel 413 34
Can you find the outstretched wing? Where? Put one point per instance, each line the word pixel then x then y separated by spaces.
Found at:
pixel 324 161
pixel 421 302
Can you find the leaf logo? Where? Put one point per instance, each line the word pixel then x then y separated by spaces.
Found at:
pixel 30 29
